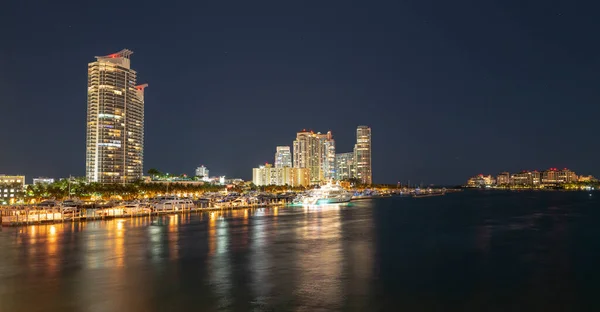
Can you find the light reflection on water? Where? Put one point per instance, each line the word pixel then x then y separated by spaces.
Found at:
pixel 385 255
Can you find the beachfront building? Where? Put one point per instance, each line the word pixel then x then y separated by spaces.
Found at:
pixel 362 155
pixel 481 180
pixel 115 120
pixel 503 178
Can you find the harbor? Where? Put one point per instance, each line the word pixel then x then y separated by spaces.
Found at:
pixel 28 215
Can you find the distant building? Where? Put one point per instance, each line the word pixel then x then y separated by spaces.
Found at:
pixel 362 155
pixel 283 157
pixel 269 175
pixel 11 188
pixel 344 166
pixel 43 180
pixel 525 178
pixel 202 172
pixel 555 176
pixel 588 178
pixel 503 178
pixel 115 120
pixel 481 181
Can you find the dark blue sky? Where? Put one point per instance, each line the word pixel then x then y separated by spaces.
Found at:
pixel 450 88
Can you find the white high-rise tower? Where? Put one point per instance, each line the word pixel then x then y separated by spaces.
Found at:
pixel 115 120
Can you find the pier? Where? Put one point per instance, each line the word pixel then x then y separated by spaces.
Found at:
pixel 27 215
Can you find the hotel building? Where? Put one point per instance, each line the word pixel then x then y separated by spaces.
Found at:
pixel 115 120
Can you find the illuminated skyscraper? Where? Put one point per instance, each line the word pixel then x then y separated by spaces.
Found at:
pixel 316 152
pixel 283 157
pixel 344 166
pixel 115 120
pixel 362 155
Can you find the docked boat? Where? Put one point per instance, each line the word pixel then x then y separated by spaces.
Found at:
pixel 171 203
pixel 327 194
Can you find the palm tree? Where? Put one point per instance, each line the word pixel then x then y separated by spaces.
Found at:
pixel 153 172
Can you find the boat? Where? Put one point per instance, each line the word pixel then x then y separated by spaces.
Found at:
pixel 327 194
pixel 170 203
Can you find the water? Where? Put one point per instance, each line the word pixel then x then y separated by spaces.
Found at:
pixel 472 251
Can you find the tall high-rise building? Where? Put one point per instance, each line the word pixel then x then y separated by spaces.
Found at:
pixel 362 155
pixel 115 120
pixel 283 157
pixel 344 166
pixel 316 152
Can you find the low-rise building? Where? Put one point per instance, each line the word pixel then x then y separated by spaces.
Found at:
pixel 12 188
pixel 269 175
pixel 503 178
pixel 43 180
pixel 481 181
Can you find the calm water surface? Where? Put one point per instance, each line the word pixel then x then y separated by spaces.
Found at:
pixel 472 251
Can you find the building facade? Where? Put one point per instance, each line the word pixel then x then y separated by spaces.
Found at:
pixel 362 155
pixel 202 172
pixel 344 166
pixel 12 188
pixel 43 180
pixel 316 152
pixel 283 157
pixel 269 175
pixel 503 178
pixel 115 120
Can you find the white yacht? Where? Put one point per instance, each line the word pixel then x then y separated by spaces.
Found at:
pixel 327 194
pixel 169 203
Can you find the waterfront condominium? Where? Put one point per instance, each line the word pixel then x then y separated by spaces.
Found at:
pixel 316 152
pixel 115 120
pixel 283 157
pixel 362 155
pixel 344 166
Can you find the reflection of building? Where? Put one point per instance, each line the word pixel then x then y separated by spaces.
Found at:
pixel 11 188
pixel 362 155
pixel 316 152
pixel 42 180
pixel 115 120
pixel 202 172
pixel 269 175
pixel 344 166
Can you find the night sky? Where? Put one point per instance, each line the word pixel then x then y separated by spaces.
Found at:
pixel 449 88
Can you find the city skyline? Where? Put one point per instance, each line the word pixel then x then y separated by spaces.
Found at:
pixel 234 79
